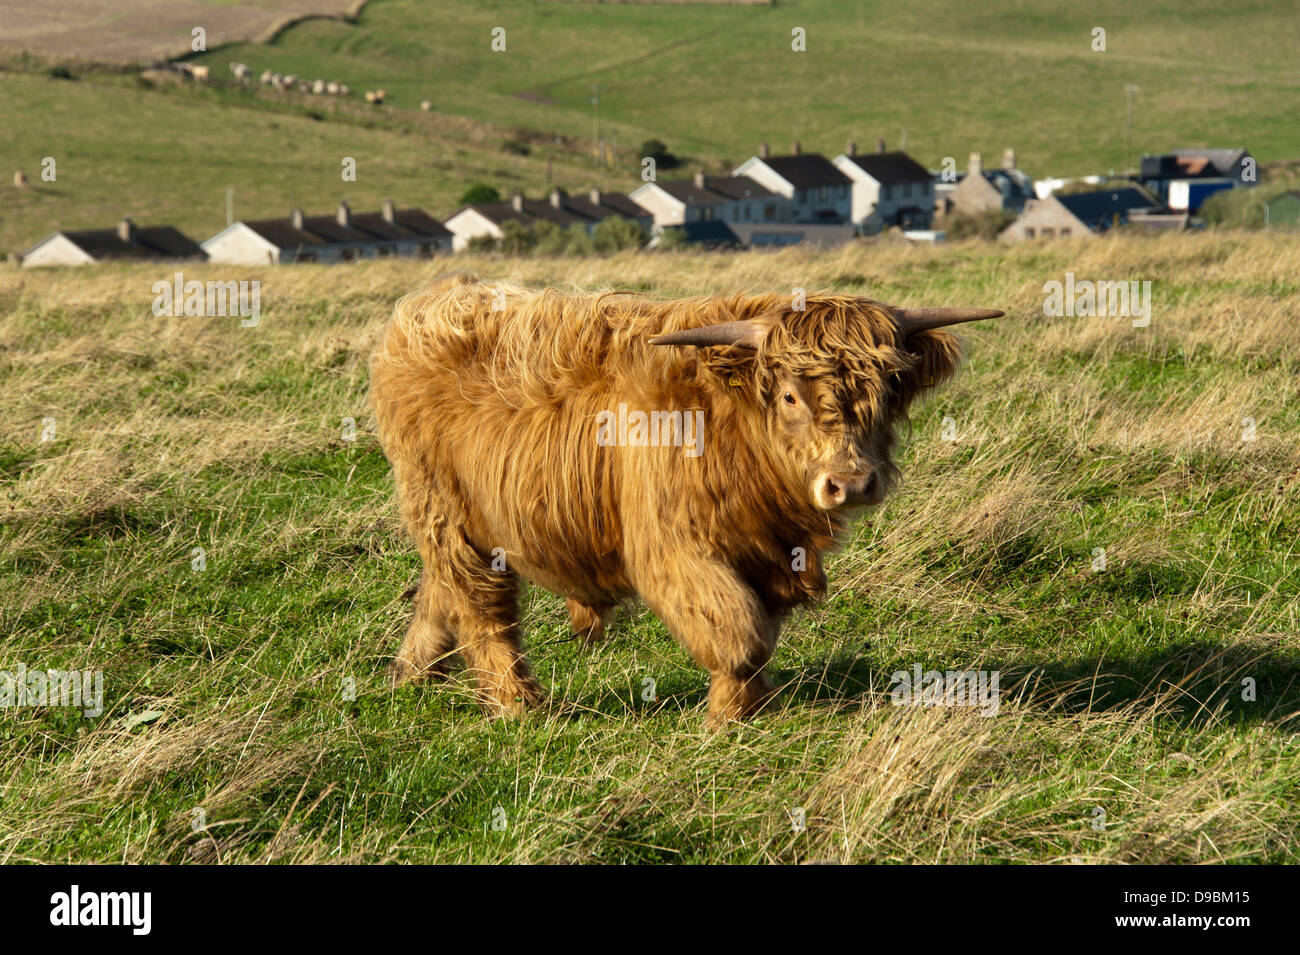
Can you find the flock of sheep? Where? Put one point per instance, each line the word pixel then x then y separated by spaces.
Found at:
pixel 282 82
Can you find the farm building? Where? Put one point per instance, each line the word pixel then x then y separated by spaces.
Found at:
pixel 981 190
pixel 126 241
pixel 1081 213
pixel 889 188
pixel 817 191
pixel 1230 167
pixel 341 237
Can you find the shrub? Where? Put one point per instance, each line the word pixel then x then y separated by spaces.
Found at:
pixel 479 192
pixel 657 151
pixel 617 233
pixel 483 243
pixel 516 238
pixel 671 239
pixel 549 238
pixel 985 225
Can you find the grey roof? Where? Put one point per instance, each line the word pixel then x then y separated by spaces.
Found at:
pixel 148 242
pixel 421 223
pixel 1096 209
pixel 891 168
pixel 807 170
pixel 688 192
pixel 281 233
pixel 1226 162
pixel 737 187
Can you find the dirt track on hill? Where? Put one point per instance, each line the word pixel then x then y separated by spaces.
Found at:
pixel 143 31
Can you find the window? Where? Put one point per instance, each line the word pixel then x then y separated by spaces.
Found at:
pixel 1065 230
pixel 769 211
pixel 707 213
pixel 1049 232
pixel 426 250
pixel 384 250
pixel 1029 232
pixel 823 193
pixel 348 255
pixel 887 192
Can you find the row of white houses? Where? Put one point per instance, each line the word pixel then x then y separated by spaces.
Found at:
pixel 767 200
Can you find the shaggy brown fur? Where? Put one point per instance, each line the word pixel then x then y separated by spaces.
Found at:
pixel 488 398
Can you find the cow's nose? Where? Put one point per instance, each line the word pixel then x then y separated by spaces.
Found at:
pixel 833 490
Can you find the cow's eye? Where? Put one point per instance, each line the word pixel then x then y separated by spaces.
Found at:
pixel 790 399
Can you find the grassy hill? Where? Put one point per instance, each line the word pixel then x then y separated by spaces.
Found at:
pixel 710 80
pixel 715 80
pixel 224 689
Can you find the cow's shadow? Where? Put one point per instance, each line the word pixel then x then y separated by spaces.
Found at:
pixel 1191 683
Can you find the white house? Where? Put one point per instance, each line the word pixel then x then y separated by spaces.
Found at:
pixel 126 241
pixel 341 237
pixel 889 188
pixel 710 198
pixel 817 191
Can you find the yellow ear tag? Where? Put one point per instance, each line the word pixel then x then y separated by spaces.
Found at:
pixel 735 382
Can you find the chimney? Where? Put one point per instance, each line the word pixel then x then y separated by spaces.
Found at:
pixel 126 230
pixel 344 215
pixel 763 151
pixel 594 196
pixel 851 149
pixel 1008 158
pixel 388 212
pixel 795 148
pixel 296 218
pixel 699 179
pixel 517 202
pixel 976 165
pixel 880 144
pixel 557 198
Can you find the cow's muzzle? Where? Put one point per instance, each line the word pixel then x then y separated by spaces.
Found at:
pixel 832 490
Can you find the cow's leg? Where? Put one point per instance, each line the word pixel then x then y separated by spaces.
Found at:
pixel 429 644
pixel 723 625
pixel 588 620
pixel 486 622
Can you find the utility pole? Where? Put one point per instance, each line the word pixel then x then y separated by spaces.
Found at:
pixel 1130 89
pixel 230 207
pixel 595 120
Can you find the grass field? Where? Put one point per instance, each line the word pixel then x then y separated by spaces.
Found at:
pixel 710 80
pixel 1122 688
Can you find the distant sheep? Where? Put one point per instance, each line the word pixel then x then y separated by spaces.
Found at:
pixel 332 88
pixel 20 179
pixel 344 89
pixel 318 87
pixel 426 105
pixel 242 72
pixel 291 79
pixel 266 77
pixel 200 73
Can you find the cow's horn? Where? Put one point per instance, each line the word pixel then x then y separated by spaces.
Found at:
pixel 740 334
pixel 912 320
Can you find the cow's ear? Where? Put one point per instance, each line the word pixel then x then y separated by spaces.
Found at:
pixel 936 354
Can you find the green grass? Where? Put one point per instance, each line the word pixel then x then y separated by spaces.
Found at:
pixel 1121 689
pixel 711 81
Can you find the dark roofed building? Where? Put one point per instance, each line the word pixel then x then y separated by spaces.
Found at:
pixel 342 237
pixel 1087 213
pixel 889 188
pixel 126 241
pixel 816 190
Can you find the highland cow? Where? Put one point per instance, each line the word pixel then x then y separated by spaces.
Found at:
pixel 496 408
